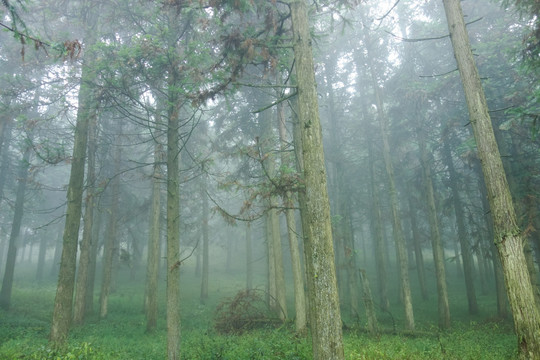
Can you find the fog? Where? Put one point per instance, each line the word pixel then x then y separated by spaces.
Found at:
pixel 156 151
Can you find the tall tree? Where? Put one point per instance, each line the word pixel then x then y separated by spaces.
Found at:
pixel 326 332
pixel 63 302
pixel 508 238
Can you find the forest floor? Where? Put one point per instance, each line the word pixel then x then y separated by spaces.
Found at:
pixel 24 330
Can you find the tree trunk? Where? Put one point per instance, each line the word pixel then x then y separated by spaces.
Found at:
pixel 63 302
pixel 396 219
pixel 152 265
pixel 380 247
pixel 7 283
pixel 466 252
pixel 90 282
pixel 373 325
pixel 507 236
pixel 173 192
pixel 438 252
pixel 205 239
pixel 325 316
pixel 109 249
pixel 249 257
pixel 418 255
pixel 288 204
pixel 79 310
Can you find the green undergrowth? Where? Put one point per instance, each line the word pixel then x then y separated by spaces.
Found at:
pixel 25 327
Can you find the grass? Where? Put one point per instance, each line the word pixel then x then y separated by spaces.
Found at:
pixel 24 330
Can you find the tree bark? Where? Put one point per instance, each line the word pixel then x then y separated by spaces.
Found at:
pixel 326 332
pixel 507 236
pixel 63 302
pixel 79 310
pixel 288 203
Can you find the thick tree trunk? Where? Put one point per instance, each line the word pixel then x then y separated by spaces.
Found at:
pixel 466 252
pixel 325 315
pixel 63 302
pixel 438 254
pixel 79 310
pixel 507 236
pixel 373 325
pixel 7 282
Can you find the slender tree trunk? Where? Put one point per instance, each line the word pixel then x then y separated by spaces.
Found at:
pixel 418 255
pixel 438 253
pixel 373 325
pixel 90 282
pixel 109 250
pixel 173 193
pixel 507 236
pixel 396 219
pixel 288 203
pixel 7 283
pixel 205 239
pixel 43 243
pixel 63 302
pixel 79 310
pixel 325 314
pixel 152 265
pixel 249 257
pixel 380 247
pixel 466 252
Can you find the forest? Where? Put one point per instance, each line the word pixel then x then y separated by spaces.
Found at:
pixel 270 179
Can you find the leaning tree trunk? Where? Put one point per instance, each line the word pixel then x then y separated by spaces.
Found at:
pixel 326 332
pixel 508 237
pixel 205 237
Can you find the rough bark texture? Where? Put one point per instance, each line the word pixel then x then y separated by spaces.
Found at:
pixel 63 302
pixel 373 325
pixel 507 236
pixel 438 255
pixel 321 274
pixel 7 282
